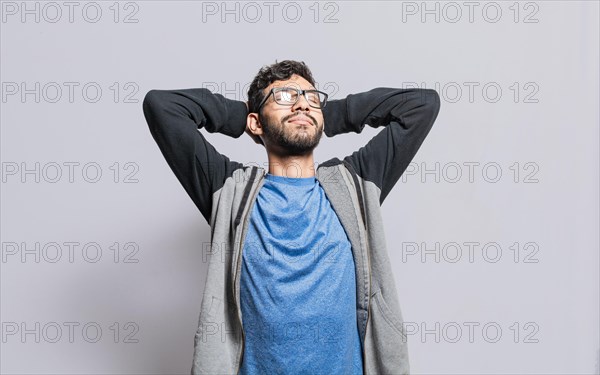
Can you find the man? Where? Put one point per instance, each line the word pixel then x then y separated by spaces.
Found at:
pixel 299 280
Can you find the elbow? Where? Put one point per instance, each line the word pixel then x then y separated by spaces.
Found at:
pixel 151 101
pixel 432 102
pixel 153 108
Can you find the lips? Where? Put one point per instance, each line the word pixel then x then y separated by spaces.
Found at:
pixel 301 120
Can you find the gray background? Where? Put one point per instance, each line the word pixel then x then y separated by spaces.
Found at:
pixel 539 310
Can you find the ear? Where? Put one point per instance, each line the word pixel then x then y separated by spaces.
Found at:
pixel 253 124
pixel 254 128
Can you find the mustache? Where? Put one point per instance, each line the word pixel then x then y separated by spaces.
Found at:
pixel 314 120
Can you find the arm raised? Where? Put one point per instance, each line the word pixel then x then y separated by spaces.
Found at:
pixel 174 118
pixel 407 116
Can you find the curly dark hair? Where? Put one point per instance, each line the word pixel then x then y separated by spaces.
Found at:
pixel 276 72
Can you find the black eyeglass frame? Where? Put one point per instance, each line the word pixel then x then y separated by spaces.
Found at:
pixel 299 92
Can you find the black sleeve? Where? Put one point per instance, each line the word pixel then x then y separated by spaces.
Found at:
pixel 406 114
pixel 174 117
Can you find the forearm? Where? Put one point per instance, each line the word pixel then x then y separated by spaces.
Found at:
pixel 378 107
pixel 199 106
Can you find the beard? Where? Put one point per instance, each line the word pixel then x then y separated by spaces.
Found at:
pixel 291 138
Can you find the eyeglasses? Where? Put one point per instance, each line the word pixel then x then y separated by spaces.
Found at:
pixel 289 96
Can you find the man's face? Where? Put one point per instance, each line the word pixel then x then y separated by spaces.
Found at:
pixel 295 129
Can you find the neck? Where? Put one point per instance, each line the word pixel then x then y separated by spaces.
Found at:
pixel 295 166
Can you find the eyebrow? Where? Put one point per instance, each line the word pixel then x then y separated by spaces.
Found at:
pixel 311 87
pixel 290 85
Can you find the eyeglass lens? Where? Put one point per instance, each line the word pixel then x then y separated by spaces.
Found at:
pixel 290 96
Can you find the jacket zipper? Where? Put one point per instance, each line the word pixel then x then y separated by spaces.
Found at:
pixel 364 220
pixel 368 301
pixel 239 259
pixel 368 251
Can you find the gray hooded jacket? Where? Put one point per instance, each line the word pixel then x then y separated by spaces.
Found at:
pixel 225 191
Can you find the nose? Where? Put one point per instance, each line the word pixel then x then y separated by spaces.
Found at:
pixel 301 103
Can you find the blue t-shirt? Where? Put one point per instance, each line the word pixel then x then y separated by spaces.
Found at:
pixel 298 286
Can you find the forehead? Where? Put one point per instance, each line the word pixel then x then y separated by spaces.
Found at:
pixel 294 81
